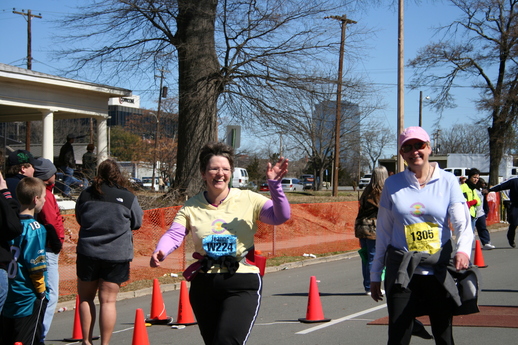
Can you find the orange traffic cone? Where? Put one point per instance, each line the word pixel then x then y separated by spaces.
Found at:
pixel 77 333
pixel 479 259
pixel 158 314
pixel 314 312
pixel 140 336
pixel 185 314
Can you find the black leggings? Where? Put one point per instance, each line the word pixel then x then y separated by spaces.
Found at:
pixel 226 306
pixel 426 294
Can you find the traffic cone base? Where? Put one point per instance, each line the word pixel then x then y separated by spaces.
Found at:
pixel 185 314
pixel 479 258
pixel 140 336
pixel 314 311
pixel 158 315
pixel 313 321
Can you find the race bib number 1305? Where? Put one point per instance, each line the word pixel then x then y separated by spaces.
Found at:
pixel 423 237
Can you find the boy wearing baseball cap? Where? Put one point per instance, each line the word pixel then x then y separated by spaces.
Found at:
pixel 20 164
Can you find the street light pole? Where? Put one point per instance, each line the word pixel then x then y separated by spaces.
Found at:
pixel 343 22
pixel 420 108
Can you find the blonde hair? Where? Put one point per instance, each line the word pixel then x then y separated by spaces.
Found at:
pixel 379 175
pixel 29 188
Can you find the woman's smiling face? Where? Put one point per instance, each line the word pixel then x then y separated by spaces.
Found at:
pixel 218 174
pixel 416 156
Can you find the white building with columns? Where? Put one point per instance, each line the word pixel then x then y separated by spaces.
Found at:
pixel 27 95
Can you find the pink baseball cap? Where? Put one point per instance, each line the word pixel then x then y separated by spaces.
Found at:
pixel 413 133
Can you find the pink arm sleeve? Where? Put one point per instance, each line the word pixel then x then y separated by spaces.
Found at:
pixel 277 210
pixel 171 239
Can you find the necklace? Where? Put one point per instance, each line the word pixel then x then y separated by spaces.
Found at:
pixel 428 177
pixel 220 202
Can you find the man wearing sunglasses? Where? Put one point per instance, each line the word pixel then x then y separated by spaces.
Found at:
pixel 414 242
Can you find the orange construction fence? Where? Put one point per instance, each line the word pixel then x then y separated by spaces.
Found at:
pixel 313 228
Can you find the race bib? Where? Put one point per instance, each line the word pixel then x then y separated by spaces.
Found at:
pixel 220 245
pixel 423 237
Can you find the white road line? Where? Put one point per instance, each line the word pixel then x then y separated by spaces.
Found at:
pixel 345 318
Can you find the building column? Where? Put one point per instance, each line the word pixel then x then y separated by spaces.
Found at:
pixel 102 139
pixel 47 147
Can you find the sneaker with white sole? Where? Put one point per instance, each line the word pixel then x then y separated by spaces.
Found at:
pixel 488 246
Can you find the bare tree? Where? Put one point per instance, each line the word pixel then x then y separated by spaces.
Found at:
pixel 248 51
pixel 375 138
pixel 463 138
pixel 481 47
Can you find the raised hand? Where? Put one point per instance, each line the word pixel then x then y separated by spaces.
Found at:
pixel 278 171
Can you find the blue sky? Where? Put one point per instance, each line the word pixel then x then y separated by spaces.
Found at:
pixel 379 65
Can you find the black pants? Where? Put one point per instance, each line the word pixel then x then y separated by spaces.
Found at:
pixel 27 330
pixel 424 296
pixel 226 306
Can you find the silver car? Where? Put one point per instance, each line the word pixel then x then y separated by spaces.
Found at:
pixel 291 185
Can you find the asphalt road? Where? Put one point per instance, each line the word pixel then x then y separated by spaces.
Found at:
pixel 285 299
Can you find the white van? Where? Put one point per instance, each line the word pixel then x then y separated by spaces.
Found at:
pixel 464 172
pixel 239 178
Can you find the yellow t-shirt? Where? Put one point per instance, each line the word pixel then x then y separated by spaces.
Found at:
pixel 235 216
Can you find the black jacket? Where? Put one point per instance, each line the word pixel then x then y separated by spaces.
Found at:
pixel 10 226
pixel 106 223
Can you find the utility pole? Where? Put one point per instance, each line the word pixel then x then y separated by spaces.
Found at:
pixel 163 91
pixel 400 81
pixel 29 66
pixel 343 22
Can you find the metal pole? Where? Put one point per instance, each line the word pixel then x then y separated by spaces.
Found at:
pixel 400 80
pixel 336 168
pixel 420 108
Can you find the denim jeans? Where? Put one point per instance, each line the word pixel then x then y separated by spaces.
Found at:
pixel 69 179
pixel 53 289
pixel 4 286
pixel 370 245
pixel 483 233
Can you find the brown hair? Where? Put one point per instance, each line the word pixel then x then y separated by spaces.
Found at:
pixel 16 169
pixel 28 188
pixel 216 149
pixel 109 173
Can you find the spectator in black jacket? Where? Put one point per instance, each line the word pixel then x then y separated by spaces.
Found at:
pixel 10 228
pixel 512 185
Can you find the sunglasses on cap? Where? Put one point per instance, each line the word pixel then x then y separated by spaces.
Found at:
pixel 416 146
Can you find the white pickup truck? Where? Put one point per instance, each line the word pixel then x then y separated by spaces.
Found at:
pixel 364 181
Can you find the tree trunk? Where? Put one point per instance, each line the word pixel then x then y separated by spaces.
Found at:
pixel 199 88
pixel 496 147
